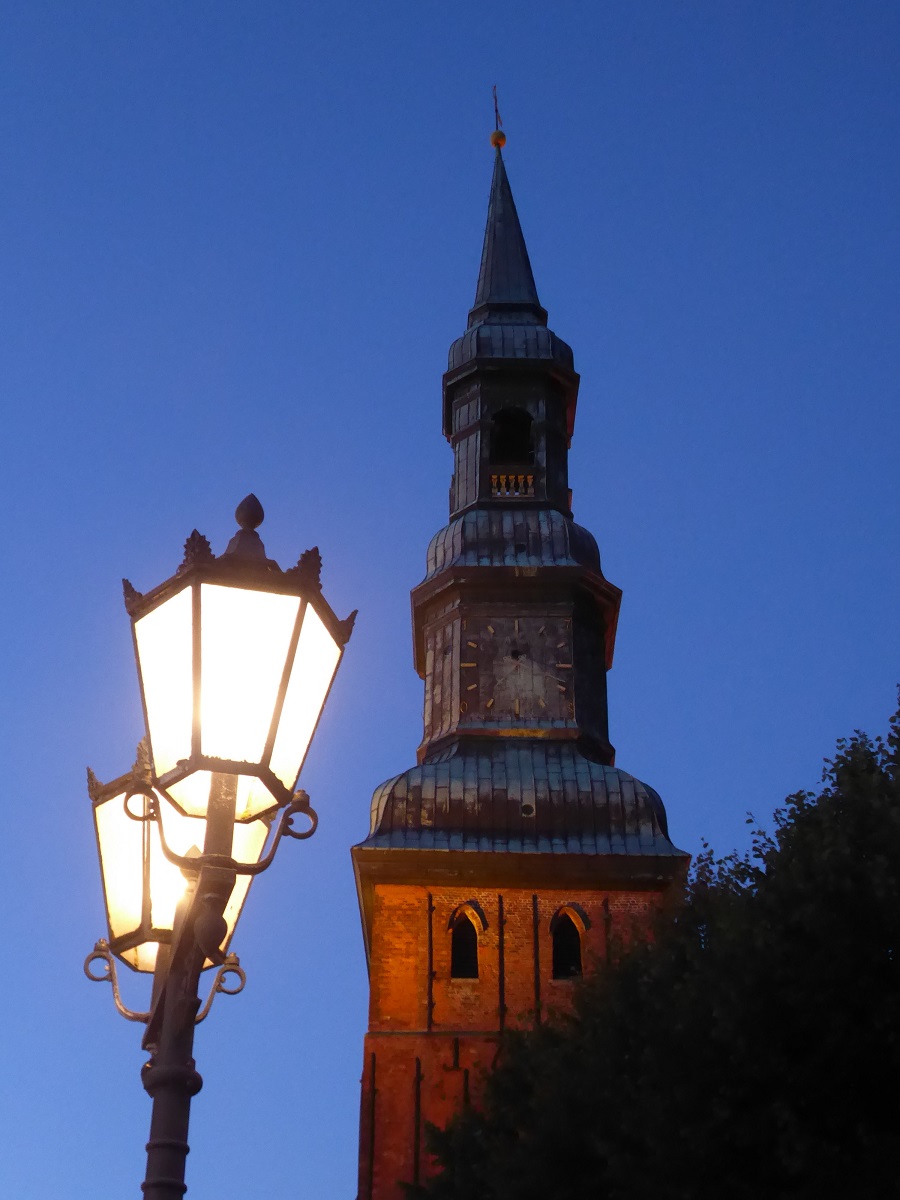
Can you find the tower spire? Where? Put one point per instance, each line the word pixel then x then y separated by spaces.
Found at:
pixel 503 862
pixel 506 288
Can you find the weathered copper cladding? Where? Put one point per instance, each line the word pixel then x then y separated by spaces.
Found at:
pixel 513 796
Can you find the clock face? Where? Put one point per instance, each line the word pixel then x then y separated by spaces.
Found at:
pixel 517 668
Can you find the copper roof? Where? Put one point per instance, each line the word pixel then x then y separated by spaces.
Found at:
pixel 505 279
pixel 512 537
pixel 526 796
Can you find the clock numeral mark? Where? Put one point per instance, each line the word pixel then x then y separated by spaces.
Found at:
pixel 567 665
pixel 562 645
pixel 490 703
pixel 542 702
pixel 516 708
pixel 476 664
pixel 474 645
pixel 541 631
pixel 463 706
pixel 471 687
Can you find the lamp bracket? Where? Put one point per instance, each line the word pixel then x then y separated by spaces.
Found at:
pixel 299 804
pixel 231 966
pixel 102 953
pixel 221 983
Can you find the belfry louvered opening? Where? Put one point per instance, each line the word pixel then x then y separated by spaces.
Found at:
pixel 511 438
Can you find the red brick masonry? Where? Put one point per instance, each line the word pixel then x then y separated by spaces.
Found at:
pixel 420 1065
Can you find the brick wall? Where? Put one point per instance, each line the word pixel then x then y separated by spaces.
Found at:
pixel 430 1041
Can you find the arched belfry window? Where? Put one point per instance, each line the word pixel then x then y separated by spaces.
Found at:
pixel 466 922
pixel 511 439
pixel 566 929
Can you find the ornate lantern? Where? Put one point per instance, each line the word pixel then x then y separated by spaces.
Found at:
pixel 142 888
pixel 235 658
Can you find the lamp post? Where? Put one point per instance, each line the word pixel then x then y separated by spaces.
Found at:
pixel 235 659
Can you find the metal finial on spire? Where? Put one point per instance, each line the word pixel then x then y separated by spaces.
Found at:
pixel 498 137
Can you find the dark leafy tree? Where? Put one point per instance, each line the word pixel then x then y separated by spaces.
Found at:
pixel 750 1048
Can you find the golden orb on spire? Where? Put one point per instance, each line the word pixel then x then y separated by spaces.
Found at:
pixel 498 139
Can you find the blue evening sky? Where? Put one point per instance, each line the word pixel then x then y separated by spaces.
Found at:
pixel 236 241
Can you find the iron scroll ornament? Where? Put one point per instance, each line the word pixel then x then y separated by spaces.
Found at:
pixel 299 804
pixel 221 983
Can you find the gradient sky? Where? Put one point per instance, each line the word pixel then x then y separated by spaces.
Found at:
pixel 236 241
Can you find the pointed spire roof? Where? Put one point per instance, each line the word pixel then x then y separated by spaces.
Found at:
pixel 506 320
pixel 506 289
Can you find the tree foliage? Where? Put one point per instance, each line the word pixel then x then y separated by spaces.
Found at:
pixel 750 1048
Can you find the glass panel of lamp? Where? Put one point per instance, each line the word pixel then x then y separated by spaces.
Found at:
pixel 165 657
pixel 315 663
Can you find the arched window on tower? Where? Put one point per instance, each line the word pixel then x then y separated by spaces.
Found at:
pixel 566 947
pixel 464 948
pixel 511 454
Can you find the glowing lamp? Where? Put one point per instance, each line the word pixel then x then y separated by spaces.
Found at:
pixel 235 658
pixel 142 888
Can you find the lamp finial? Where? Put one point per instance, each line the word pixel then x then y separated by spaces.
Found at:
pixel 247 543
pixel 249 514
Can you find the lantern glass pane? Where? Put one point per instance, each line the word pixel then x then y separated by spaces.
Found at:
pixel 314 666
pixel 165 657
pixel 249 841
pixel 245 637
pixel 192 795
pixel 125 845
pixel 142 957
pixel 253 798
pixel 121 843
pixel 167 882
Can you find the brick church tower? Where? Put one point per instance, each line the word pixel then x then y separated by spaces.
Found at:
pixel 496 868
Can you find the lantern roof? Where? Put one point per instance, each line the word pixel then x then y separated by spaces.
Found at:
pixel 244 562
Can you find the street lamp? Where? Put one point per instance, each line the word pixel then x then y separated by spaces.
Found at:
pixel 235 658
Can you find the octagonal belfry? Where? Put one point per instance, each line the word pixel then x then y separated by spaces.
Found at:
pixel 497 868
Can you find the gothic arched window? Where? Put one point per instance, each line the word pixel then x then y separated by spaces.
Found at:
pixel 566 947
pixel 464 948
pixel 511 440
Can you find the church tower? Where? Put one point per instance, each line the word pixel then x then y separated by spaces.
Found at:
pixel 496 869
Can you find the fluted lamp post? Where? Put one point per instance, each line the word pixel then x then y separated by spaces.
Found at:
pixel 235 659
